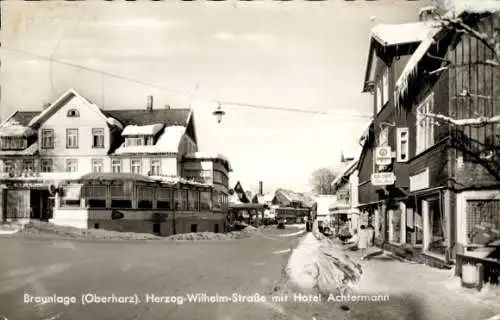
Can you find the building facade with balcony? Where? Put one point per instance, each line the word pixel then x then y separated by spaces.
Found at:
pixel 44 155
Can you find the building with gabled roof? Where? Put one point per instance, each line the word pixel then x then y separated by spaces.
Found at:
pixel 43 153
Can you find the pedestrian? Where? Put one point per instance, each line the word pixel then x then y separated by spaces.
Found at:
pixel 371 235
pixel 363 241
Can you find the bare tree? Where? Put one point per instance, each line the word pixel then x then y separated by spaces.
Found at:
pixel 321 180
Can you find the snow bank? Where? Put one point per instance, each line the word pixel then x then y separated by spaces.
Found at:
pixel 322 265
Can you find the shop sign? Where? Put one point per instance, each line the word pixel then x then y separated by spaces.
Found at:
pixel 383 156
pixel 420 181
pixel 383 178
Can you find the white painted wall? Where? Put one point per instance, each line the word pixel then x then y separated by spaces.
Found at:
pixel 72 217
pixel 87 120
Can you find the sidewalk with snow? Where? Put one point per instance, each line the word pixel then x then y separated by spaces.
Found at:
pixel 414 290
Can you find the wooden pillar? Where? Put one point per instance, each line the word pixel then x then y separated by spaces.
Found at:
pixel 402 207
pixel 425 222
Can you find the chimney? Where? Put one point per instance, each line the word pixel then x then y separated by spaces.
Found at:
pixel 149 106
pixel 167 106
pixel 261 188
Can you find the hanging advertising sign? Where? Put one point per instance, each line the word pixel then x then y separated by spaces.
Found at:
pixel 383 178
pixel 383 156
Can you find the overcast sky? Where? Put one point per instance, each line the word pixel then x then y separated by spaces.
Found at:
pixel 296 54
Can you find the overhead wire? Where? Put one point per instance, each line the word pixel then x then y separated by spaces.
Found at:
pixel 183 92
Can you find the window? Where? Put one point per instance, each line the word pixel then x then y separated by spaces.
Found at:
pixel 379 98
pixel 194 201
pixel 164 198
pixel 96 203
pixel 97 165
pixel 135 166
pixel 149 141
pixel 96 226
pixel 95 196
pixel 8 166
pixel 194 228
pixel 73 113
pixel 216 199
pixel 29 165
pixel 155 167
pixel 116 165
pixel 121 195
pixel 145 197
pixel 47 165
pixel 216 228
pixel 72 195
pixel 220 177
pixel 385 87
pixel 134 141
pixel 98 138
pixel 383 137
pixel 205 203
pixel 71 165
pixel 402 145
pixel 184 200
pixel 47 138
pixel 425 126
pixel 13 143
pixel 71 138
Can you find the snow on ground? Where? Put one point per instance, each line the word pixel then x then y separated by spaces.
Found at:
pixel 436 287
pixel 321 265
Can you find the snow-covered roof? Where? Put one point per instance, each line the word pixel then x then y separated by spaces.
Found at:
pixel 462 7
pixel 147 130
pixel 266 198
pixel 208 156
pixel 347 171
pixel 13 129
pixel 31 150
pixel 62 98
pixel 396 34
pixel 167 143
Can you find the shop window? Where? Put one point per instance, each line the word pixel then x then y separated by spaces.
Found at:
pixel 163 204
pixel 145 197
pixel 183 200
pixel 483 221
pixel 437 227
pixel 96 203
pixel 71 203
pixel 205 201
pixel 164 198
pixel 121 203
pixel 145 204
pixel 194 202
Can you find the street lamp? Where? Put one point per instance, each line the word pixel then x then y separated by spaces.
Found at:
pixel 219 113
